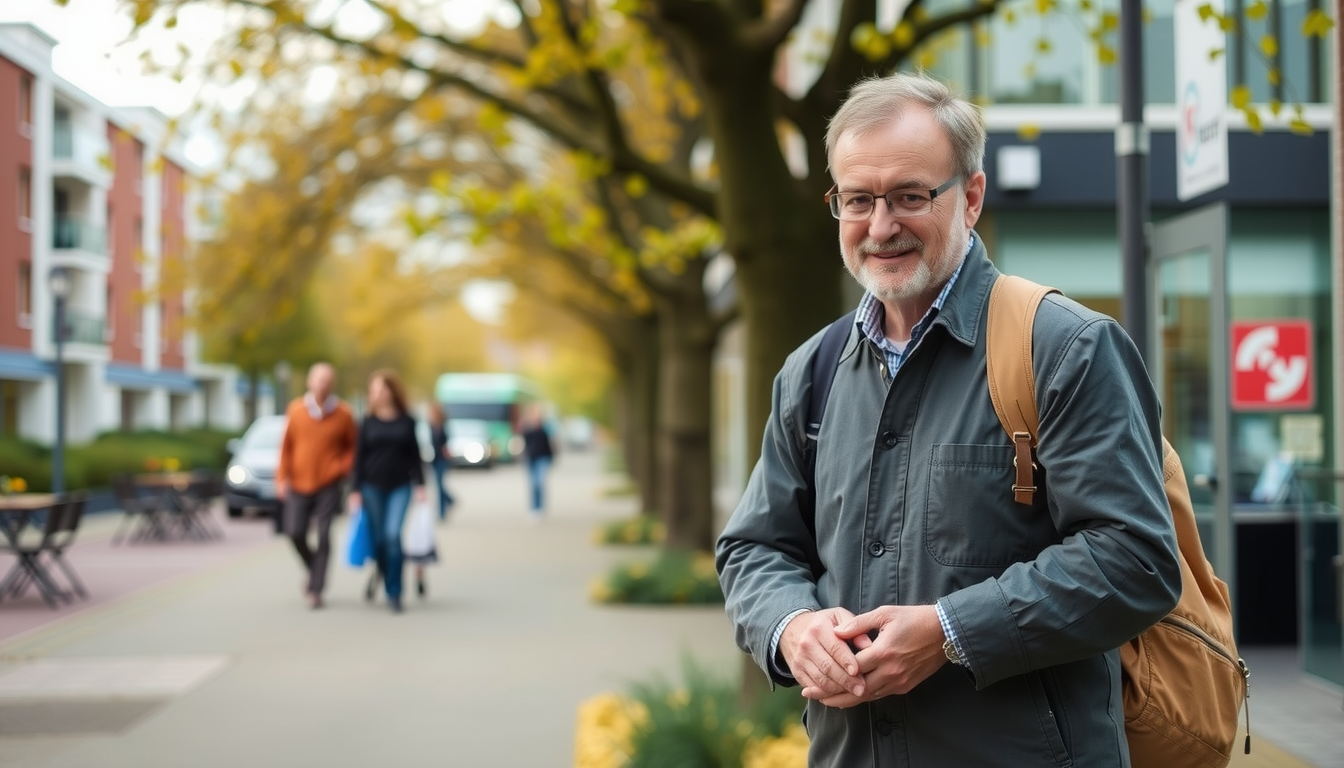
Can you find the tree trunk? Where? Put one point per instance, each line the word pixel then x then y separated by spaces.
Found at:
pixel 685 416
pixel 637 410
pixel 777 228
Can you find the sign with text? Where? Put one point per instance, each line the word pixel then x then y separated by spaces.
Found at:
pixel 1272 366
pixel 1201 98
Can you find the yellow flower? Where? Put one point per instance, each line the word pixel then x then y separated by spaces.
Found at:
pixel 18 485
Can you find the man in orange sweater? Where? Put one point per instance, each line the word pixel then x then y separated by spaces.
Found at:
pixel 315 456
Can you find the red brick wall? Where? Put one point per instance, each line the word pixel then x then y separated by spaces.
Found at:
pixel 173 251
pixel 16 243
pixel 125 216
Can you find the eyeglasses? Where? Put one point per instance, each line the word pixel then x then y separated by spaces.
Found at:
pixel 901 203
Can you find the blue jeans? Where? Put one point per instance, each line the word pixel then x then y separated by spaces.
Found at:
pixel 536 474
pixel 386 508
pixel 445 498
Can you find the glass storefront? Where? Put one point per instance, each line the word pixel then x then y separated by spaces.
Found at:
pixel 1284 493
pixel 1018 56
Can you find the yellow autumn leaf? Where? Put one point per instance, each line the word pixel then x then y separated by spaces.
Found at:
pixel 1028 131
pixel 1205 12
pixel 1275 106
pixel 1316 24
pixel 1241 96
pixel 636 186
pixel 1300 127
pixel 1227 23
pixel 1274 76
pixel 1269 45
pixel 1044 6
pixel 1110 20
pixel 1085 5
pixel 1215 53
pixel 1258 10
pixel 1107 55
pixel 1253 121
pixel 1042 45
pixel 904 34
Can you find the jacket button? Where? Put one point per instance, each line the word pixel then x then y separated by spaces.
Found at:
pixel 876 549
pixel 889 439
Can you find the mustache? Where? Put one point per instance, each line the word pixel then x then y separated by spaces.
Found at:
pixel 902 243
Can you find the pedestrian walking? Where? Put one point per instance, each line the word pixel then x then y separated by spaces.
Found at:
pixel 316 455
pixel 387 473
pixel 437 419
pixel 538 452
pixel 930 618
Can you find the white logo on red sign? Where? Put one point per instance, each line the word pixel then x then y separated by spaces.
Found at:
pixel 1272 365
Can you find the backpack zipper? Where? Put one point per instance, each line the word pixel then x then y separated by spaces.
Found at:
pixel 1218 648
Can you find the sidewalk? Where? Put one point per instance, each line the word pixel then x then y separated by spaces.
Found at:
pixel 224 666
pixel 199 655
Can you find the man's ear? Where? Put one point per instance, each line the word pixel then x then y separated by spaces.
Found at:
pixel 975 198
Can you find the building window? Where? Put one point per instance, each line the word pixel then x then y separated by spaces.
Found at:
pixel 24 300
pixel 25 199
pixel 110 330
pixel 25 105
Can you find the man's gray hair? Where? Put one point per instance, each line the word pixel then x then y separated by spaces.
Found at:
pixel 875 101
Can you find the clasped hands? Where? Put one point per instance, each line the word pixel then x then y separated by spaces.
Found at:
pixel 842 659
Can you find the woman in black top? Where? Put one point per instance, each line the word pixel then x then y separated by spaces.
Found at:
pixel 538 452
pixel 387 471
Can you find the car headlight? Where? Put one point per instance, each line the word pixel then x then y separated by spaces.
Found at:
pixel 474 453
pixel 238 474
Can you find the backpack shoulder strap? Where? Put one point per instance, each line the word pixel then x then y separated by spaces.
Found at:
pixel 824 363
pixel 1012 384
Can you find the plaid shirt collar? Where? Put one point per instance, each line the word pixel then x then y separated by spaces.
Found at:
pixel 871 314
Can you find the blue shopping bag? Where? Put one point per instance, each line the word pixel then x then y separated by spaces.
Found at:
pixel 358 541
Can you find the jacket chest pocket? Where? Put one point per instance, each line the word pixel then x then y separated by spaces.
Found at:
pixel 970 518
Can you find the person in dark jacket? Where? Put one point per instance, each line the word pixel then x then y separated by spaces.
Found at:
pixel 438 443
pixel 387 473
pixel 538 452
pixel 945 624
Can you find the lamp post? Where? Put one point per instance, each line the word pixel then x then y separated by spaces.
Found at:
pixel 60 283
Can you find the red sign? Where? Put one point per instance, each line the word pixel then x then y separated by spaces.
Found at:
pixel 1272 367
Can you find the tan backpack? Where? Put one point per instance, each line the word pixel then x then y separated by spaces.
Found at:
pixel 1183 683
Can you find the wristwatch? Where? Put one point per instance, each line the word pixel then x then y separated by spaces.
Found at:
pixel 950 650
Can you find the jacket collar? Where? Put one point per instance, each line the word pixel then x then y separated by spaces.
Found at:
pixel 965 305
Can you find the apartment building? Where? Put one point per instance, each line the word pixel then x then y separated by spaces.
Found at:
pixel 106 195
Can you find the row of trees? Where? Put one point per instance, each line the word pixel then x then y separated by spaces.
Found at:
pixel 594 153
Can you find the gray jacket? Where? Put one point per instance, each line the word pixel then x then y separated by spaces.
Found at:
pixel 914 504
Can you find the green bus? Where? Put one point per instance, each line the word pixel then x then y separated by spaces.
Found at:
pixel 494 400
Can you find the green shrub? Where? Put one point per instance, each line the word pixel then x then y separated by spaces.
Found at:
pixel 701 723
pixel 673 577
pixel 640 529
pixel 92 465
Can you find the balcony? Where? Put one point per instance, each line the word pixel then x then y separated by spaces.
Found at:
pixel 81 154
pixel 84 327
pixel 73 233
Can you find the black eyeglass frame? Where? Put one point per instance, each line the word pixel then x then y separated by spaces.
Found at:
pixel 834 194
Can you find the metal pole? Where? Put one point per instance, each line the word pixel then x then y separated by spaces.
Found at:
pixel 58 452
pixel 1131 156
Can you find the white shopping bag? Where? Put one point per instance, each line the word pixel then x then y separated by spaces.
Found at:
pixel 417 540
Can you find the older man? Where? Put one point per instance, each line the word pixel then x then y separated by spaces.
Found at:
pixel 316 455
pixel 949 626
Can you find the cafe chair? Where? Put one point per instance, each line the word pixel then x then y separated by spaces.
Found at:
pixel 145 516
pixel 59 527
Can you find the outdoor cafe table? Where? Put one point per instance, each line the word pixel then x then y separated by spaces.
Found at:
pixel 174 492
